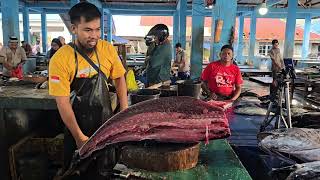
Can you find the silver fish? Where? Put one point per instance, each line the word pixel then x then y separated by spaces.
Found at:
pixel 300 143
pixel 310 171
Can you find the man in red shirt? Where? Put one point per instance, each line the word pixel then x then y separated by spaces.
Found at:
pixel 222 79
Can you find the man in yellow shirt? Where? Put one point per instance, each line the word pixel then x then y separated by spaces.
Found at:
pixel 71 74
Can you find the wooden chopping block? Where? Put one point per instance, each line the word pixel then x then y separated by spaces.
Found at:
pixel 160 157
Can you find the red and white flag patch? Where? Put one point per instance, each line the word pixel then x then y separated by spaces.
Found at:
pixel 55 79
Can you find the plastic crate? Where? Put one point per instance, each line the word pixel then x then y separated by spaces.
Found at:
pixel 51 147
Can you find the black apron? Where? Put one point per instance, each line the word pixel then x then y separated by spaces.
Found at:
pixel 92 107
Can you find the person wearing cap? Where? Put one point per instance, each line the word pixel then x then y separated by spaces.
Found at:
pixel 11 56
pixel 277 61
pixel 222 79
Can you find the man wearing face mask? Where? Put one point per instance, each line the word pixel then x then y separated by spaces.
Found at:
pixel 159 59
pixel 80 70
pixel 11 56
pixel 222 79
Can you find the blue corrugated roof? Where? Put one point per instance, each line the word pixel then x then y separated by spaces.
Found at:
pixel 118 39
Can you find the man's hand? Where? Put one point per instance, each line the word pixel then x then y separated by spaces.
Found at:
pixel 81 141
pixel 8 66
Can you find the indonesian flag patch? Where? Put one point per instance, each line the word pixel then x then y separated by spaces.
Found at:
pixel 55 79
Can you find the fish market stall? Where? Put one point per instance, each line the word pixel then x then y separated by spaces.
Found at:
pixel 24 109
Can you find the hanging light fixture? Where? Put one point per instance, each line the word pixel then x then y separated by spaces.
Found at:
pixel 263 10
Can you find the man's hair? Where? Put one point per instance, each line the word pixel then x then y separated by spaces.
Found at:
pixel 274 41
pixel 178 45
pixel 227 46
pixel 86 10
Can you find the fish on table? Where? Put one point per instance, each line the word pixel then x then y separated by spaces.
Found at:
pixel 293 144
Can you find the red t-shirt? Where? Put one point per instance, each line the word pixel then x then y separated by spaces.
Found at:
pixel 222 79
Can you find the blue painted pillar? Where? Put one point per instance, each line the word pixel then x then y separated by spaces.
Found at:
pixel 253 29
pixel 290 29
pixel 197 38
pixel 213 26
pixel 182 13
pixel 10 19
pixel 225 11
pixel 44 31
pixel 175 38
pixel 72 3
pixel 26 32
pixel 102 23
pixel 306 36
pixel 240 39
pixel 109 27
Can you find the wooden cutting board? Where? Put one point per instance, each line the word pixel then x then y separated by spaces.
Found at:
pixel 160 157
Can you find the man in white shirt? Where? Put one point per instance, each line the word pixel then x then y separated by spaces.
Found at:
pixel 11 56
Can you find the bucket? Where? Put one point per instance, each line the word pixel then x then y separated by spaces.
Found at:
pixel 189 88
pixel 167 91
pixel 144 94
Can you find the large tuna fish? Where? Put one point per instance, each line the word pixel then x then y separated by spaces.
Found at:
pixel 170 119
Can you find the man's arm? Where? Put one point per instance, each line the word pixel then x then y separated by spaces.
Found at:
pixel 69 119
pixel 237 92
pixel 121 89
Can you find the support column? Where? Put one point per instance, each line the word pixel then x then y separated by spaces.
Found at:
pixel 10 19
pixel 225 11
pixel 240 39
pixel 102 23
pixel 253 29
pixel 26 32
pixel 44 31
pixel 109 27
pixel 182 13
pixel 306 36
pixel 197 38
pixel 213 26
pixel 290 29
pixel 175 38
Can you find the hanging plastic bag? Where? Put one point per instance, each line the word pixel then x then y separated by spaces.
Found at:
pixel 131 81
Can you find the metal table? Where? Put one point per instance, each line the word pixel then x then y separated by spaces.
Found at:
pixel 262 80
pixel 255 72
